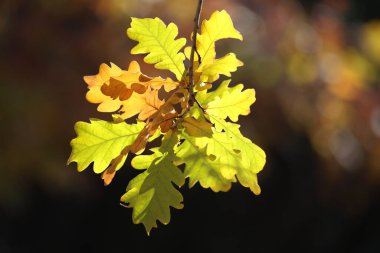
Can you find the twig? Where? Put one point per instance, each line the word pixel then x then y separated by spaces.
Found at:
pixel 194 47
pixel 200 106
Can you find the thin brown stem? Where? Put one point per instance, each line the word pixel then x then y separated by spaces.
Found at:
pixel 194 47
pixel 197 102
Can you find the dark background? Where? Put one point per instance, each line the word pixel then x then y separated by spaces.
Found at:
pixel 315 69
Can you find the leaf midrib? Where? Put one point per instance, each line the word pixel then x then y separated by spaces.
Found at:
pixel 162 47
pixel 106 140
pixel 226 106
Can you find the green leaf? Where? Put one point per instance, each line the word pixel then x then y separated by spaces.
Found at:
pixel 142 162
pixel 227 101
pixel 234 154
pixel 158 41
pixel 253 158
pixel 101 141
pixel 205 169
pixel 205 97
pixel 152 193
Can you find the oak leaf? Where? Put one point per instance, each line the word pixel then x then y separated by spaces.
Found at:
pixel 100 142
pixel 203 168
pixel 158 41
pixel 197 127
pixel 208 68
pixel 129 89
pixel 232 102
pixel 253 158
pixel 152 193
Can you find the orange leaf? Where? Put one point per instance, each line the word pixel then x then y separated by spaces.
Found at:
pixel 108 176
pixel 116 164
pixel 164 117
pixel 112 87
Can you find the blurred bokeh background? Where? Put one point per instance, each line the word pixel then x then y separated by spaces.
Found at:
pixel 315 66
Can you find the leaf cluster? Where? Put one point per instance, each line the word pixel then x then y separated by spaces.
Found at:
pixel 197 126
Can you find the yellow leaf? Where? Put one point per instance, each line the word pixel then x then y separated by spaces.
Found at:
pixel 168 84
pixel 208 68
pixel 95 95
pixel 222 66
pixel 218 27
pixel 104 88
pixel 133 79
pixel 132 106
pixel 229 102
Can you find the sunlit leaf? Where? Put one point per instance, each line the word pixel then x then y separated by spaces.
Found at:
pixel 232 103
pixel 205 169
pixel 95 83
pixel 152 193
pixel 198 128
pixel 218 27
pixel 158 41
pixel 223 66
pixel 101 141
pixel 127 91
pixel 208 68
pixel 253 158
pixel 236 155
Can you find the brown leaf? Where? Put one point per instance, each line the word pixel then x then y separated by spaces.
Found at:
pixel 108 176
pixel 197 128
pixel 110 172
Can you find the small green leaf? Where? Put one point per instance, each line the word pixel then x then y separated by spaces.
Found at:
pixel 142 162
pixel 101 141
pixel 152 193
pixel 158 41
